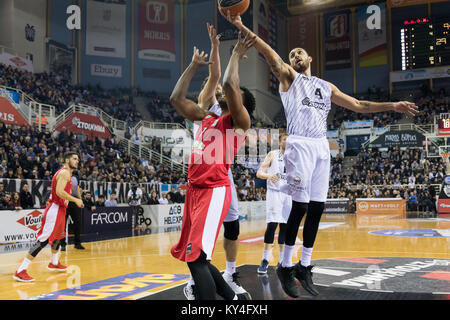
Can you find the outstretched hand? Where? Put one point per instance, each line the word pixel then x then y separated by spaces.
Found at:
pixel 213 36
pixel 199 59
pixel 406 107
pixel 244 44
pixel 236 20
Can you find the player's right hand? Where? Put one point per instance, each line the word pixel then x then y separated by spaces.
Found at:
pixel 236 20
pixel 274 178
pixel 79 203
pixel 213 36
pixel 199 59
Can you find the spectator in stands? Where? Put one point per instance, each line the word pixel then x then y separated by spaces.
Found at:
pixel 177 198
pixel 412 201
pixel 145 197
pixel 5 203
pixel 169 199
pixel 171 194
pixel 26 199
pixel 2 191
pixel 88 202
pixel 153 198
pixel 163 199
pixel 111 202
pixel 100 202
pixel 15 201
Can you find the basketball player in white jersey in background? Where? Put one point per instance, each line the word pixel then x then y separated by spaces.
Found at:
pixel 307 102
pixel 208 98
pixel 278 204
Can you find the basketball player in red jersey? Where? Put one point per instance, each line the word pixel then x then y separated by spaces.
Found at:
pixel 209 193
pixel 53 223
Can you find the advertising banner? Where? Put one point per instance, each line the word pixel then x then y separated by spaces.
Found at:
pixel 303 35
pixel 107 219
pixel 104 70
pixel 106 29
pixel 337 206
pixel 157 30
pixel 407 138
pixel 10 95
pixel 358 124
pixel 372 45
pixel 162 215
pixel 9 114
pixel 405 3
pixel 20 225
pixel 381 206
pixel 170 138
pixel 16 62
pixel 444 196
pixel 420 74
pixel 338 48
pixel 88 125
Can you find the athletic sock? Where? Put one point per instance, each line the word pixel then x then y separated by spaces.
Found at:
pixel 287 256
pixel 280 258
pixel 24 266
pixel 306 257
pixel 235 297
pixel 191 281
pixel 55 258
pixel 231 267
pixel 267 254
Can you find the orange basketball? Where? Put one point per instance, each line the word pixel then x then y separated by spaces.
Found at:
pixel 236 7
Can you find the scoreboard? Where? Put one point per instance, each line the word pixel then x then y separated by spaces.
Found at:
pixel 425 43
pixel 444 124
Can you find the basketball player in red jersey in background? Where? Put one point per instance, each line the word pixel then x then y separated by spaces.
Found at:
pixel 209 193
pixel 54 221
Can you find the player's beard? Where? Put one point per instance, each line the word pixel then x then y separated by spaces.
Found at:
pixel 223 104
pixel 72 167
pixel 301 67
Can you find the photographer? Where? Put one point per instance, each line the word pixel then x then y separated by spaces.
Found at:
pixel 134 200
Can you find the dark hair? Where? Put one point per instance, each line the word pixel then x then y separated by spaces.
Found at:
pixel 69 155
pixel 248 100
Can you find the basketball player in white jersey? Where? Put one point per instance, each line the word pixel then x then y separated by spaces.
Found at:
pixel 307 102
pixel 278 204
pixel 208 99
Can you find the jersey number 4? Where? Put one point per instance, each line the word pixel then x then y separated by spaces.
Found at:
pixel 319 93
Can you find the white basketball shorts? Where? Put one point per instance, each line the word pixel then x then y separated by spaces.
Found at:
pixel 278 206
pixel 307 163
pixel 233 213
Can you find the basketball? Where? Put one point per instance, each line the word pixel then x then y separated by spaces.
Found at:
pixel 236 7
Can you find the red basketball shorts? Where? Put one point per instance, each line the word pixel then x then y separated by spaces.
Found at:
pixel 204 212
pixel 53 225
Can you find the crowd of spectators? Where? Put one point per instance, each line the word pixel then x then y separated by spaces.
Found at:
pixel 57 90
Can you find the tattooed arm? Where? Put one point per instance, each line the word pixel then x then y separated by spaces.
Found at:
pixel 283 71
pixel 348 102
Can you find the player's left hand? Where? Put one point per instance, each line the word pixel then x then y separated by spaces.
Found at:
pixel 244 44
pixel 213 36
pixel 199 59
pixel 236 20
pixel 406 107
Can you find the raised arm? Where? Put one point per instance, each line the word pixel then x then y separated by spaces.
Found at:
pixel 184 106
pixel 232 87
pixel 207 96
pixel 348 102
pixel 283 71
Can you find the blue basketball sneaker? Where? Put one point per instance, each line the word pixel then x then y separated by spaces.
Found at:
pixel 263 267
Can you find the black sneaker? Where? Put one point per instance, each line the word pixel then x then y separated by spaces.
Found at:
pixel 304 275
pixel 286 277
pixel 244 296
pixel 79 247
pixel 63 248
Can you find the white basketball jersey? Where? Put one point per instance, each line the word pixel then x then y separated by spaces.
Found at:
pixel 277 168
pixel 306 106
pixel 216 109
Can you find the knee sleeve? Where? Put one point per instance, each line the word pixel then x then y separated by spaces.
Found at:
pixel 315 210
pixel 38 246
pixel 295 218
pixel 231 230
pixel 270 232
pixel 282 233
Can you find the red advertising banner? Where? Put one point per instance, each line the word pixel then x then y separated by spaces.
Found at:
pixel 338 48
pixel 157 30
pixel 302 34
pixel 90 126
pixel 444 206
pixel 9 114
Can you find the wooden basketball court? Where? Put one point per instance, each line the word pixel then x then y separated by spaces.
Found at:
pixel 141 267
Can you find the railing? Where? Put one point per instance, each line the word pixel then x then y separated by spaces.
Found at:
pixel 158 125
pixel 142 152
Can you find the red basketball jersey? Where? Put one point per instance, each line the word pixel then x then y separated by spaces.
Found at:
pixel 215 146
pixel 53 197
